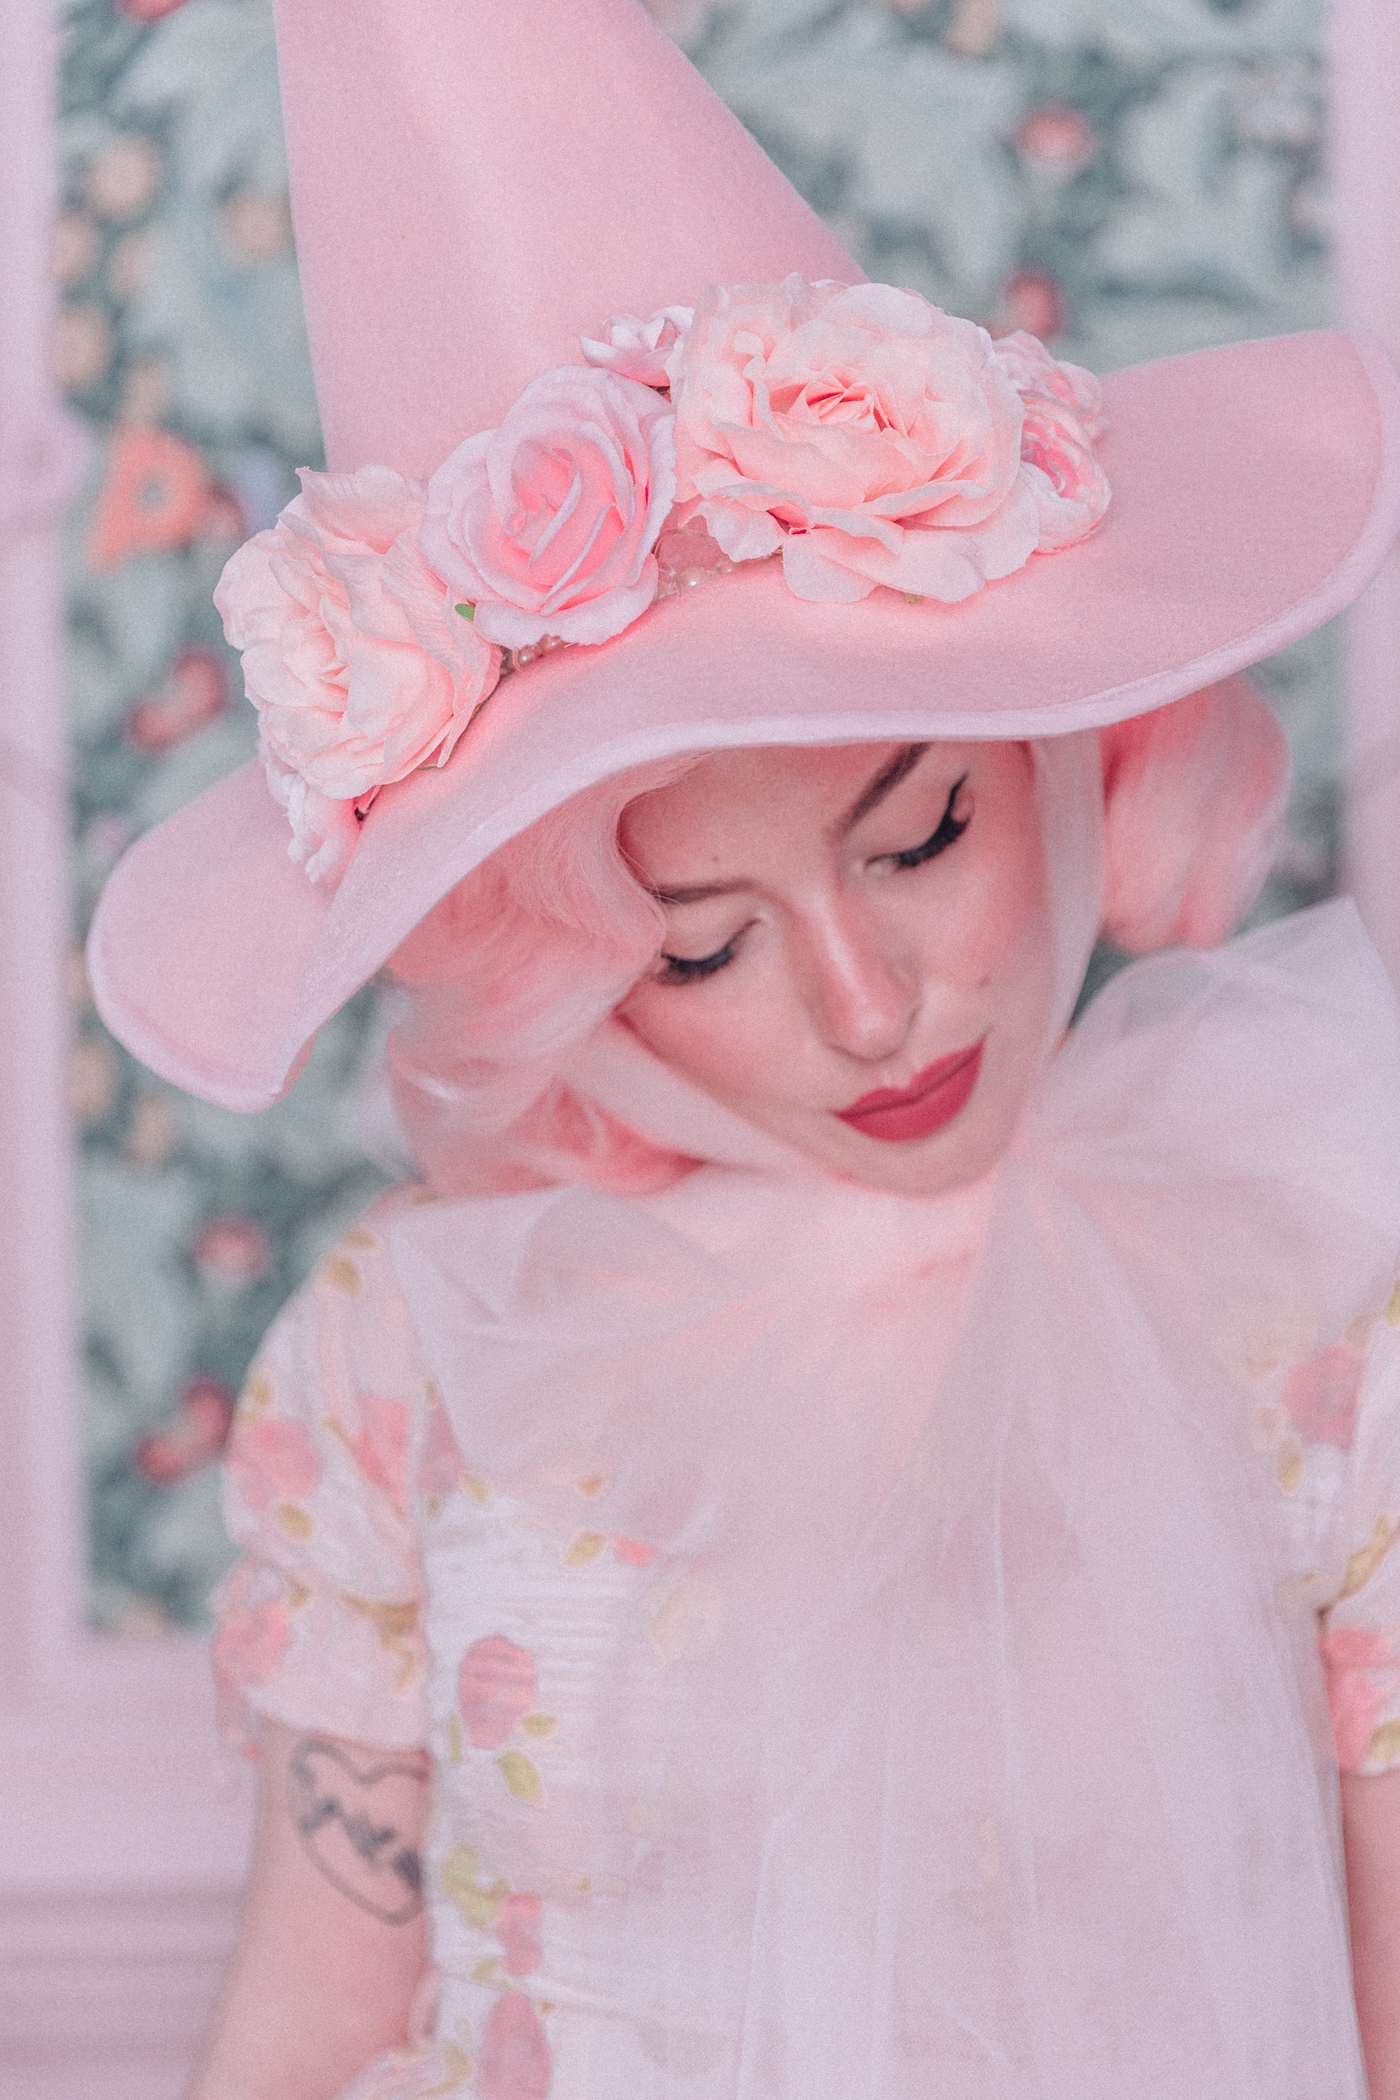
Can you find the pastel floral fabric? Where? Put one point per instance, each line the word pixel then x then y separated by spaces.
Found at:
pixel 391 1594
pixel 319 1495
pixel 341 1444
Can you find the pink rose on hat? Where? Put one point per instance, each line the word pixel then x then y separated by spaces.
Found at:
pixel 358 665
pixel 548 523
pixel 869 436
pixel 1071 488
pixel 1063 415
pixel 1037 376
pixel 325 829
pixel 639 349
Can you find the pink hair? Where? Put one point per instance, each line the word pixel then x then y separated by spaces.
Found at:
pixel 509 972
pixel 519 964
pixel 1194 797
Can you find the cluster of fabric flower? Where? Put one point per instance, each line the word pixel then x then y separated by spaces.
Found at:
pixel 858 431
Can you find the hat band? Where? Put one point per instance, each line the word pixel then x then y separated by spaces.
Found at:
pixel 866 437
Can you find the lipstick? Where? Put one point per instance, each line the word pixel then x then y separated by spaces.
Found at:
pixel 931 1099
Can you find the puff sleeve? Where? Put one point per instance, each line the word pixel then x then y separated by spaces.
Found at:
pixel 320 1622
pixel 1353 1414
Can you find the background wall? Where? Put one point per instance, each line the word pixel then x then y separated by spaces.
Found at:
pixel 1123 177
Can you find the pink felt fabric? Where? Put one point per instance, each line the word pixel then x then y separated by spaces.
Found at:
pixel 477 185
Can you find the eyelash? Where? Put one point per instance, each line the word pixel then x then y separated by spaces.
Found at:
pixel 950 830
pixel 683 969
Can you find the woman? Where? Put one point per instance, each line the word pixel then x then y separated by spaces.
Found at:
pixel 844 1487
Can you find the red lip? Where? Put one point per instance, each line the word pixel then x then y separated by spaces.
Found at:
pixel 930 1100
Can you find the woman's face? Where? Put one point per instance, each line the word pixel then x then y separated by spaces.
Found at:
pixel 858 954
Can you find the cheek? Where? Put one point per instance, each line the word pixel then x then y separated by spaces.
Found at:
pixel 998 925
pixel 702 1037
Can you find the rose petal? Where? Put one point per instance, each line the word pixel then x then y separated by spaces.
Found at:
pixel 358 665
pixel 548 523
pixel 874 437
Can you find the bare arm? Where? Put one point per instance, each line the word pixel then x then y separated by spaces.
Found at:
pixel 332 1943
pixel 1371 1823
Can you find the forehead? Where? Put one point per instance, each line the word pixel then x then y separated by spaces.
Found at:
pixel 729 797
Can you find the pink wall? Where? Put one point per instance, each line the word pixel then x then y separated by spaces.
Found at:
pixel 119 1859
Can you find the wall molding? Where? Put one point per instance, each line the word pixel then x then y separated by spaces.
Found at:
pixel 122 1852
pixel 108 1996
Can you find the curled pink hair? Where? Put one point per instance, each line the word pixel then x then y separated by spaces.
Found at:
pixel 508 973
pixel 518 964
pixel 1194 797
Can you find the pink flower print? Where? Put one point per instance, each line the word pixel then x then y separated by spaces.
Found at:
pixel 272 1462
pixel 1321 1398
pixel 517 1927
pixel 197 1434
pixel 632 1553
pixel 1035 301
pixel 495 1689
pixel 514 2061
pixel 232 1252
pixel 381 1448
pixel 194 693
pixel 249 1650
pixel 147 10
pixel 252 1637
pixel 1356 1698
pixel 440 1466
pixel 155 496
pixel 1057 137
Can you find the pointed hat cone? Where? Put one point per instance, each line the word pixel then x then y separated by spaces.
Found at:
pixel 476 183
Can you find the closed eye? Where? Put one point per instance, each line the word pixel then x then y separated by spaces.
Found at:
pixel 950 829
pixel 685 969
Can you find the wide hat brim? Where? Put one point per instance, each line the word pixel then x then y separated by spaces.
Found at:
pixel 1256 490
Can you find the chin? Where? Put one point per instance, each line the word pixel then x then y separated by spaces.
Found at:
pixel 939 1165
pixel 918 1175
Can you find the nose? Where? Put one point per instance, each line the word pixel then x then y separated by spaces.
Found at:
pixel 862 995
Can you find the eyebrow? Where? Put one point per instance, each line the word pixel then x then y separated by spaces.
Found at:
pixel 884 783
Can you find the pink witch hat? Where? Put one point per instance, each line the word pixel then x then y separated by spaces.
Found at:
pixel 578 347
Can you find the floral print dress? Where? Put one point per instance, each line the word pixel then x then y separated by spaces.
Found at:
pixel 391 1596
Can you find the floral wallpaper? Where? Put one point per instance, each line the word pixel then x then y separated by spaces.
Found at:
pixel 1125 177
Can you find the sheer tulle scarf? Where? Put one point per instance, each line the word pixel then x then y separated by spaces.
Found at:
pixel 956 1743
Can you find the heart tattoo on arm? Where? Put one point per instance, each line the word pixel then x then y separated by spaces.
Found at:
pixel 358 1823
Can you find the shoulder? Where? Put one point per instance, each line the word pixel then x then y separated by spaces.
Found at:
pixel 1334 1433
pixel 340 1373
